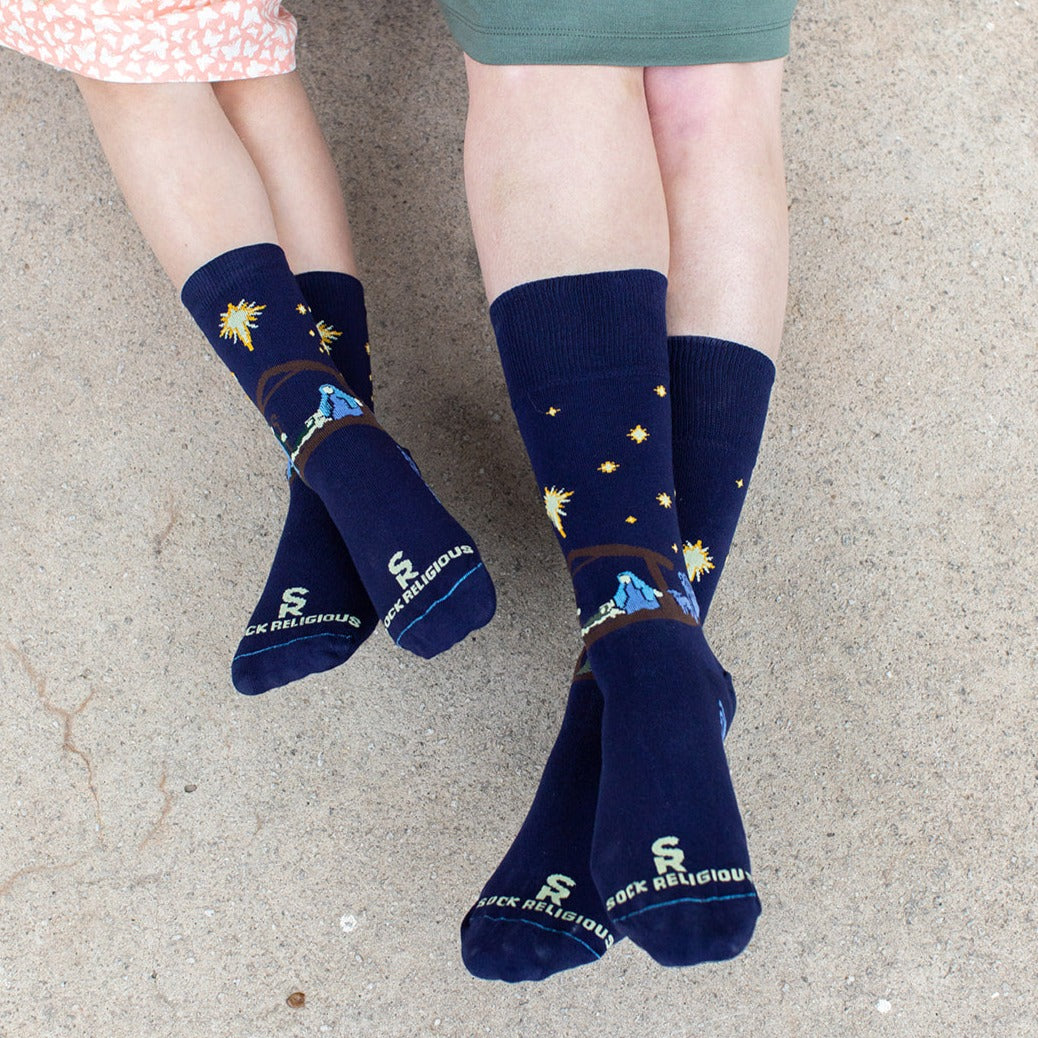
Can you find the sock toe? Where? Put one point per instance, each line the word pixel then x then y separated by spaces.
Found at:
pixel 257 672
pixel 516 950
pixel 466 606
pixel 687 932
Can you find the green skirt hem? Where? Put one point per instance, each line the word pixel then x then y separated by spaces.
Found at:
pixel 508 46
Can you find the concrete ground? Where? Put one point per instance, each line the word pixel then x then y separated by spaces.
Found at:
pixel 178 860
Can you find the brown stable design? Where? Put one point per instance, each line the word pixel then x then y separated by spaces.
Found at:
pixel 274 378
pixel 655 563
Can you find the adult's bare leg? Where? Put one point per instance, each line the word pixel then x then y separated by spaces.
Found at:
pixel 561 173
pixel 717 130
pixel 570 223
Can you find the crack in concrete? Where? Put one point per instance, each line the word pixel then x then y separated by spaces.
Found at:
pixel 159 539
pixel 33 870
pixel 66 717
pixel 167 806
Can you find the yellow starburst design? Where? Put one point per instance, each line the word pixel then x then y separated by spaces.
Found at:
pixel 553 411
pixel 239 320
pixel 660 390
pixel 300 308
pixel 631 519
pixel 608 467
pixel 555 504
pixel 328 336
pixel 367 348
pixel 638 434
pixel 665 500
pixel 738 483
pixel 697 559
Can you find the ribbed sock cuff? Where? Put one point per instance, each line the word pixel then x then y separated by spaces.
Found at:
pixel 333 291
pixel 725 387
pixel 558 329
pixel 207 286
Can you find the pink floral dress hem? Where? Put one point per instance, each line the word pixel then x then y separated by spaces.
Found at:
pixel 154 41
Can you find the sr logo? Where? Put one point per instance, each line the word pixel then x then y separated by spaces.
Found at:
pixel 403 570
pixel 556 888
pixel 668 855
pixel 293 602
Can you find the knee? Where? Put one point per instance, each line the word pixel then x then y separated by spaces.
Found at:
pixel 704 102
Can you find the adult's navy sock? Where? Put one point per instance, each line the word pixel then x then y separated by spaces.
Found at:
pixel 419 567
pixel 585 359
pixel 313 613
pixel 540 912
pixel 719 393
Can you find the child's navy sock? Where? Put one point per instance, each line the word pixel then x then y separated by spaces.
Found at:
pixel 419 567
pixel 585 359
pixel 719 395
pixel 313 613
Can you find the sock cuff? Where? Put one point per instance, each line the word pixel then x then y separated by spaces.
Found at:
pixel 576 326
pixel 727 387
pixel 207 286
pixel 338 298
pixel 333 290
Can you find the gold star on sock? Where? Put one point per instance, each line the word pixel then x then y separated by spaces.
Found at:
pixel 300 309
pixel 608 467
pixel 631 519
pixel 660 390
pixel 553 411
pixel 328 335
pixel 239 320
pixel 738 483
pixel 664 499
pixel 638 434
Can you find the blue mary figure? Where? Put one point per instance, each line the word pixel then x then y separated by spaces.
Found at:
pixel 337 404
pixel 633 594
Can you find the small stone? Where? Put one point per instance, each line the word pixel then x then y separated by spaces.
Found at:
pixel 883 1006
pixel 190 787
pixel 296 1000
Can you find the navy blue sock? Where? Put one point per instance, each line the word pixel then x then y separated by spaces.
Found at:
pixel 313 613
pixel 540 912
pixel 418 566
pixel 585 359
pixel 719 394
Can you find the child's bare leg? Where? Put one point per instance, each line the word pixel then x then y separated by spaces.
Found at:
pixel 274 120
pixel 718 137
pixel 276 124
pixel 188 179
pixel 201 203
